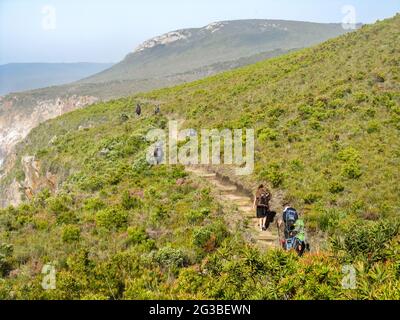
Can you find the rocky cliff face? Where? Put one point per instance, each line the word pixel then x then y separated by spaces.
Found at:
pixel 17 191
pixel 17 119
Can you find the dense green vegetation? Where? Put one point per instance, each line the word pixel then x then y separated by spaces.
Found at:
pixel 328 126
pixel 327 121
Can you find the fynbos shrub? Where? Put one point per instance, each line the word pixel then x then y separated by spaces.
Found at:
pixel 71 233
pixel 112 218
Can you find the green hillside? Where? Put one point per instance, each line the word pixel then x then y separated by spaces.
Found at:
pixel 328 124
pixel 327 119
pixel 173 58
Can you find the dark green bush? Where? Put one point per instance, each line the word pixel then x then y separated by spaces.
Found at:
pixel 113 218
pixel 6 254
pixel 59 204
pixel 268 134
pixel 352 170
pixel 373 126
pixel 68 217
pixel 336 187
pixel 93 204
pixel 92 183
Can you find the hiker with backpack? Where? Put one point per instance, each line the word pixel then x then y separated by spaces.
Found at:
pixel 289 218
pixel 261 201
pixel 294 231
pixel 157 110
pixel 158 154
pixel 138 110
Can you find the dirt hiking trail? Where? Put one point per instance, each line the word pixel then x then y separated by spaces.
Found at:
pixel 229 193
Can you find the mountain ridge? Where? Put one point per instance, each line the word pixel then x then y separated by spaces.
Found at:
pixel 231 39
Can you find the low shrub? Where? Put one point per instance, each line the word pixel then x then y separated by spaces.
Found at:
pixel 113 218
pixel 210 237
pixel 311 198
pixel 93 204
pixel 336 187
pixel 351 170
pixel 137 235
pixel 171 258
pixel 128 202
pixel 196 216
pixel 268 134
pixel 71 233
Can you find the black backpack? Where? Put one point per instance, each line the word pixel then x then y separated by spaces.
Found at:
pixel 263 199
pixel 138 109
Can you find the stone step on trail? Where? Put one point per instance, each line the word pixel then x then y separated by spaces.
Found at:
pixel 205 175
pixel 265 245
pixel 247 208
pixel 225 188
pixel 208 175
pixel 266 236
pixel 237 198
pixel 240 202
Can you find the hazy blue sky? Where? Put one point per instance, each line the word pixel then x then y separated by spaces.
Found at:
pixel 106 30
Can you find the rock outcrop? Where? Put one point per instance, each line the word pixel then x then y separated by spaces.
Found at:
pixel 15 123
pixel 164 39
pixel 35 181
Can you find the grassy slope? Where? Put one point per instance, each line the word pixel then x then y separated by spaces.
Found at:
pixel 327 119
pixel 121 229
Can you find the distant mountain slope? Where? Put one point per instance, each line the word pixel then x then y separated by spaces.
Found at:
pixel 174 58
pixel 15 77
pixel 183 50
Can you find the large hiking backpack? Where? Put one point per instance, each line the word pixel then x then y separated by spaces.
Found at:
pixel 294 243
pixel 290 216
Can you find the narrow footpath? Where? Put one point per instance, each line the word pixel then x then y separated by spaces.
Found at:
pixel 229 193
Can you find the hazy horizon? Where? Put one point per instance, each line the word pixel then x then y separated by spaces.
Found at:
pixel 55 31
